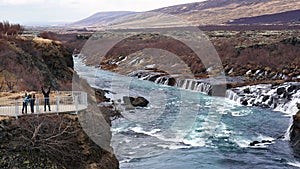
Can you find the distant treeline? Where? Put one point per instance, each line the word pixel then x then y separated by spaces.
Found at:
pixel 7 28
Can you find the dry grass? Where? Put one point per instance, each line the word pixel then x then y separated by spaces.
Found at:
pixel 4 118
pixel 20 95
pixel 41 40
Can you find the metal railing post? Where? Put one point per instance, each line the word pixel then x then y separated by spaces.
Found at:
pixel 17 109
pixel 37 107
pixel 85 99
pixel 57 104
pixel 76 104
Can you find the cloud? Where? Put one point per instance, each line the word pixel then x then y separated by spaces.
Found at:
pixel 18 2
pixel 72 10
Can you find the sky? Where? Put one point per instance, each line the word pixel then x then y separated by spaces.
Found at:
pixel 55 11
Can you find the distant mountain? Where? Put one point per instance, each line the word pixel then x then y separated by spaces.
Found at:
pixel 210 12
pixel 290 17
pixel 101 18
pixel 214 12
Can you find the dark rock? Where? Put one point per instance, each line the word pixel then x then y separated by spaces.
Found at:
pixel 135 102
pixel 100 95
pixel 287 95
pixel 265 98
pixel 172 82
pixel 292 88
pixel 153 78
pixel 245 102
pixel 247 90
pixel 254 143
pixel 280 90
pixel 140 101
pixel 285 71
pixel 266 141
pixel 271 101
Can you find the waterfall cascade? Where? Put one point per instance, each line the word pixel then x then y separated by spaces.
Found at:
pixel 164 79
pixel 194 85
pixel 281 97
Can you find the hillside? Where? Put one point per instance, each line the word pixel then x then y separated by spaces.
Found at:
pixel 211 12
pixel 101 18
pixel 29 63
pixel 289 17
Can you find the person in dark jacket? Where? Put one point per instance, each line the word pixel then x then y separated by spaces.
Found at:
pixel 25 103
pixel 32 101
pixel 46 98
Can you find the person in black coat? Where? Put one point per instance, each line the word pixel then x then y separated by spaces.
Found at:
pixel 32 101
pixel 46 98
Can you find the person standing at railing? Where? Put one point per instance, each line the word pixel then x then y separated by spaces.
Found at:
pixel 46 98
pixel 32 101
pixel 25 103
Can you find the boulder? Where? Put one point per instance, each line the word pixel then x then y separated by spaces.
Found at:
pixel 140 102
pixel 135 102
pixel 247 90
pixel 285 71
pixel 280 90
pixel 100 95
pixel 292 88
pixel 245 102
pixel 265 98
pixel 254 143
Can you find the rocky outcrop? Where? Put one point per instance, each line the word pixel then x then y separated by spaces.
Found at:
pixel 295 132
pixel 50 141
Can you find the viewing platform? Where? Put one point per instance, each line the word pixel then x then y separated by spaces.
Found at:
pixel 62 102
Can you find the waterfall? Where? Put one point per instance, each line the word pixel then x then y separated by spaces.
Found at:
pixel 166 82
pixel 194 85
pixel 231 95
pixel 283 98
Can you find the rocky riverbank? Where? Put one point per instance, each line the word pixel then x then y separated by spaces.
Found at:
pixel 295 133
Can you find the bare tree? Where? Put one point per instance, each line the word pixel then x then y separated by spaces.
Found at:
pixel 10 29
pixel 53 136
pixel 2 85
pixel 10 81
pixel 6 26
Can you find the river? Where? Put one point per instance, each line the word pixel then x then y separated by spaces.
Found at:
pixel 186 129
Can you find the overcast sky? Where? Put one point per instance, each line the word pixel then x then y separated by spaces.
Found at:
pixel 43 11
